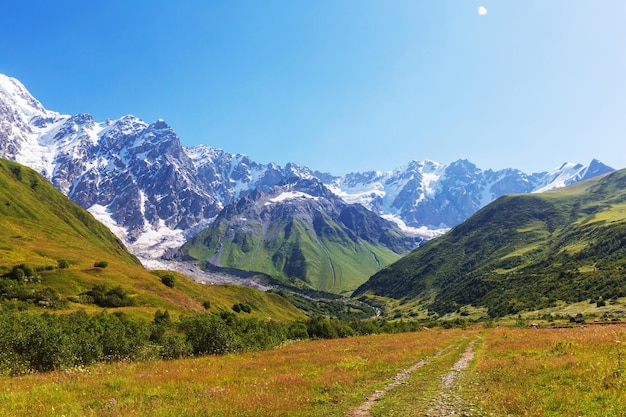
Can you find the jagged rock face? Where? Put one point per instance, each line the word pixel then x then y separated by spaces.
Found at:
pixel 299 230
pixel 428 194
pixel 139 172
pixel 154 193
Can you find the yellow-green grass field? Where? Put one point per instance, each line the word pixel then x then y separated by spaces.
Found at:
pixel 315 378
pixel 578 371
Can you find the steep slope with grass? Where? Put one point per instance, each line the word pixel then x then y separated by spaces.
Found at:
pixel 49 247
pixel 521 252
pixel 300 232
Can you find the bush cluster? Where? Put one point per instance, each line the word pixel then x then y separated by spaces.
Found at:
pixel 30 343
pixel 104 296
pixel 34 343
pixel 16 292
pixel 239 307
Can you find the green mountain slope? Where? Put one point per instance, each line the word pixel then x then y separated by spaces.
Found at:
pixel 521 252
pixel 39 226
pixel 302 234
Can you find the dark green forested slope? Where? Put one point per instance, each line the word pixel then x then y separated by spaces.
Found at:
pixel 521 252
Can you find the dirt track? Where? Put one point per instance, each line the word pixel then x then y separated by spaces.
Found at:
pixel 446 403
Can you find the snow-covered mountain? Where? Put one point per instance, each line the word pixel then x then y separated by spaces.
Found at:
pixel 154 193
pixel 429 197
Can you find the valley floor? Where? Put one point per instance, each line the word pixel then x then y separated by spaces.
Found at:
pixel 499 371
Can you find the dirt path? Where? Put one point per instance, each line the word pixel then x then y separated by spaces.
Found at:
pixel 446 403
pixel 364 409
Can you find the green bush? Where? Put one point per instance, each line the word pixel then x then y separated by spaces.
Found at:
pixel 239 307
pixel 18 273
pixel 63 264
pixel 100 264
pixel 110 297
pixel 206 304
pixel 207 333
pixel 168 280
pixel 174 346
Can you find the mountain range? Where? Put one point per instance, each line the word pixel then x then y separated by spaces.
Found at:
pixel 155 194
pixel 62 254
pixel 520 253
pixel 301 232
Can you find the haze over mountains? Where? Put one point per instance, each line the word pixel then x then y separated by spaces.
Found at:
pixel 154 193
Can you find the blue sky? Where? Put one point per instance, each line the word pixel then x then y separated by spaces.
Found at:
pixel 340 85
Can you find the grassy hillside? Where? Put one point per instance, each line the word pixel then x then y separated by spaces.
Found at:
pixel 319 255
pixel 39 226
pixel 521 252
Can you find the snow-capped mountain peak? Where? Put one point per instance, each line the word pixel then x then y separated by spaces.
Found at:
pixel 154 193
pixel 15 94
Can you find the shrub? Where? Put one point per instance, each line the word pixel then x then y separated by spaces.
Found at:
pixel 206 304
pixel 114 297
pixel 100 264
pixel 297 330
pixel 237 308
pixel 18 273
pixel 63 263
pixel 174 346
pixel 321 328
pixel 22 271
pixel 168 280
pixel 208 334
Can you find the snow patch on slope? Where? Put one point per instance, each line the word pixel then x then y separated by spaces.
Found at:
pixel 360 193
pixel 560 177
pixel 422 232
pixel 290 195
pixel 103 215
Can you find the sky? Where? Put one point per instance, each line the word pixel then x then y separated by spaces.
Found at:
pixel 340 85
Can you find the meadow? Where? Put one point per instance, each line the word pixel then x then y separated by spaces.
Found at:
pixel 514 372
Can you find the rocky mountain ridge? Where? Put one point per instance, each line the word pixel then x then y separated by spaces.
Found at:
pixel 300 232
pixel 154 193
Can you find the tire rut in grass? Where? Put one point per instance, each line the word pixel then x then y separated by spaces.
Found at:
pixel 399 379
pixel 446 402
